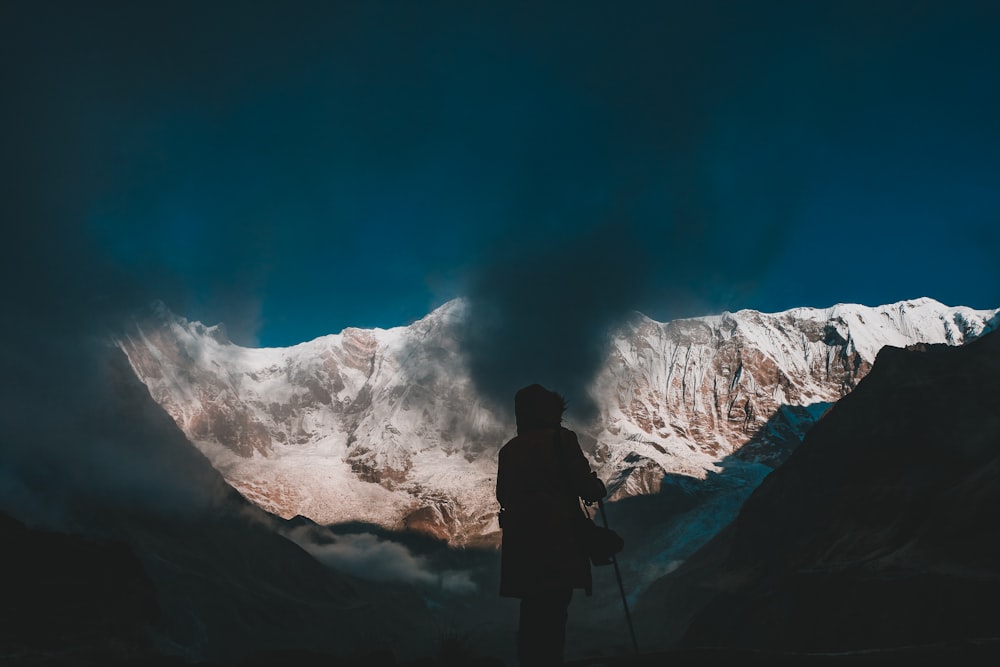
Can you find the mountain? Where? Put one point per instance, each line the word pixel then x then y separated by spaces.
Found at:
pixel 152 557
pixel 72 596
pixel 876 533
pixel 385 426
pixel 188 569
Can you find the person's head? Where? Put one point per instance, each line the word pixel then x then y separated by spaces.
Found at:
pixel 536 407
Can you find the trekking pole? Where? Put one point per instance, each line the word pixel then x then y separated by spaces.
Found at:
pixel 621 587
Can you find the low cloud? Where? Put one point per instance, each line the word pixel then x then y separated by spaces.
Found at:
pixel 366 556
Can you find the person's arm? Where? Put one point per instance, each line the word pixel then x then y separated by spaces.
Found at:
pixel 585 481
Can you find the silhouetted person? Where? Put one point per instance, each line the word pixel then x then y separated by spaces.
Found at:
pixel 541 476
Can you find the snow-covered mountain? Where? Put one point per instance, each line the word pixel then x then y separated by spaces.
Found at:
pixel 384 426
pixel 874 541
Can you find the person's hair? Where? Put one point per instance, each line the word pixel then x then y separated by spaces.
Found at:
pixel 536 407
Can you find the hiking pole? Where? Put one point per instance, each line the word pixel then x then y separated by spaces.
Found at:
pixel 621 587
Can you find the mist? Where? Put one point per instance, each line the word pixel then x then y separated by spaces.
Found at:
pixel 81 435
pixel 369 557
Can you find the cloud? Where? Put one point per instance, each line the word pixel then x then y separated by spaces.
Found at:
pixel 78 430
pixel 659 237
pixel 677 158
pixel 83 442
pixel 79 433
pixel 369 557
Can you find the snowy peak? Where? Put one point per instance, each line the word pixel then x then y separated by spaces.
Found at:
pixel 869 329
pixel 385 426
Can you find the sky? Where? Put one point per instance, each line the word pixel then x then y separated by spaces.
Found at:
pixel 290 169
pixel 294 168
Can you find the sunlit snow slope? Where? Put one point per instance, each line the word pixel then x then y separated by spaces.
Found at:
pixel 384 426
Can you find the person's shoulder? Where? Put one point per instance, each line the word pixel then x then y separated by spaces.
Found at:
pixel 568 436
pixel 510 444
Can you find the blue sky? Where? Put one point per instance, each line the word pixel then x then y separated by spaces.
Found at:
pixel 294 168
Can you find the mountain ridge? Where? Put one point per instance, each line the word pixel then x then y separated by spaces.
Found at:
pixel 385 425
pixel 872 535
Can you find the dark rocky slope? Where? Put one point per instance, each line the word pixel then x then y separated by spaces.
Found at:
pixel 163 561
pixel 879 532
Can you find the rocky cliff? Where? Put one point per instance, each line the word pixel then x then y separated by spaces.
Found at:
pixel 384 426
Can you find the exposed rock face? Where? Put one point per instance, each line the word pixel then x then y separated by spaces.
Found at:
pixel 384 425
pixel 678 397
pixel 878 531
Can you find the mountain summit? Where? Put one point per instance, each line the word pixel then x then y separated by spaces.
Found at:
pixel 384 425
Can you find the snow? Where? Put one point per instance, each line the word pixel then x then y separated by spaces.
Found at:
pixel 670 396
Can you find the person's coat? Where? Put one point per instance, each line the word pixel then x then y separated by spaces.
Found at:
pixel 540 481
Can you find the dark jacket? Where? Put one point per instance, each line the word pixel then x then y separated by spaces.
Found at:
pixel 539 490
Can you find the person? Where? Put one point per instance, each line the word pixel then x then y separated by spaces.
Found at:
pixel 541 476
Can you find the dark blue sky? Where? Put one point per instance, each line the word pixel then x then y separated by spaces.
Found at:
pixel 294 168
